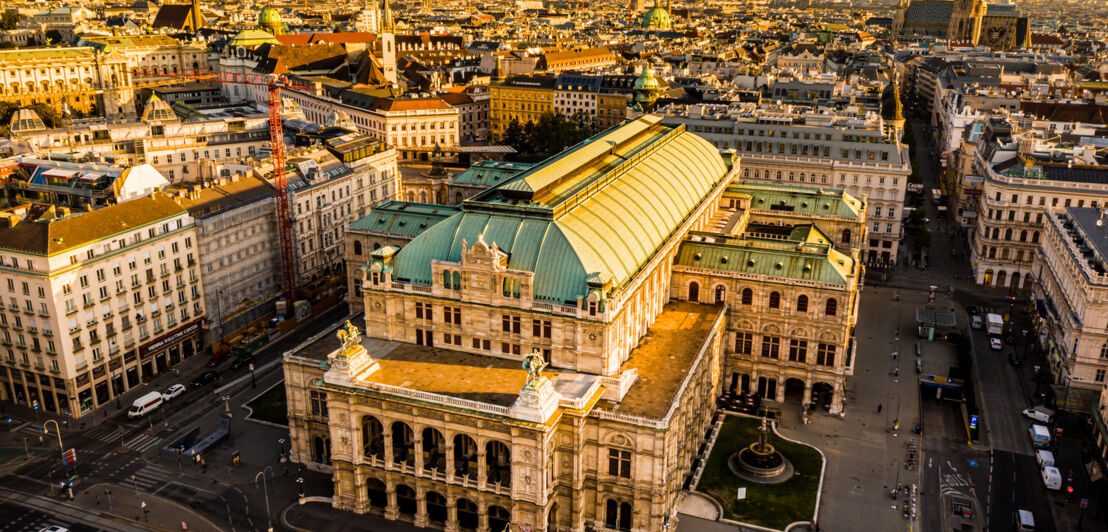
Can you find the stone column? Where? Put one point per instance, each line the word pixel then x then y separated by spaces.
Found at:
pixel 387 436
pixel 417 447
pixel 807 390
pixel 837 398
pixel 451 514
pixel 481 468
pixel 449 462
pixel 482 518
pixel 392 511
pixel 780 388
pixel 421 509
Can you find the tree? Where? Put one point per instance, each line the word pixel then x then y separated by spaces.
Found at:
pixel 7 45
pixel 9 20
pixel 54 37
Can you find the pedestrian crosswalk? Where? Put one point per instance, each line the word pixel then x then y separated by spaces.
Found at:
pixel 104 432
pixel 143 442
pixel 151 478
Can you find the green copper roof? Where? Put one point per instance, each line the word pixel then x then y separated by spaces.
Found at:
pixel 598 210
pixel 491 173
pixel 808 262
pixel 656 19
pixel 799 199
pixel 403 218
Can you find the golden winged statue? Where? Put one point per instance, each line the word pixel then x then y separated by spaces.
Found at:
pixel 350 337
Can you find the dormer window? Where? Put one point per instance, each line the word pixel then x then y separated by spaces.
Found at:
pixel 376 278
pixel 592 308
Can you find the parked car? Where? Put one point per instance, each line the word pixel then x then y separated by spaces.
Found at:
pixel 996 344
pixel 207 377
pixel 242 361
pixel 54 528
pixel 218 359
pixel 173 391
pixel 1039 413
pixel 976 322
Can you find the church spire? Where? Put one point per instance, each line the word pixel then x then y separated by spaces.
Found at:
pixel 387 24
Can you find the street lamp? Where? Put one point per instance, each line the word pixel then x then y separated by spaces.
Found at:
pixel 261 473
pixel 300 488
pixel 253 381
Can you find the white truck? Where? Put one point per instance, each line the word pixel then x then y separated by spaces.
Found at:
pixel 994 324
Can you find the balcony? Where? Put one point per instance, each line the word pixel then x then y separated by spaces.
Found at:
pixel 140 318
pixel 51 353
pixel 129 342
pixel 91 322
pixel 49 333
pixel 32 330
pixel 89 304
pixel 70 311
pixel 75 329
pixel 29 311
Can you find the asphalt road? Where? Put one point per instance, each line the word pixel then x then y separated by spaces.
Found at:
pixel 118 450
pixel 1016 486
pixel 15 518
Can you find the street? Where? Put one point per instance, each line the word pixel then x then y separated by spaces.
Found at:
pixel 121 460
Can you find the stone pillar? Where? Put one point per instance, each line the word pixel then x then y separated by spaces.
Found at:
pixel 481 468
pixel 451 514
pixel 388 448
pixel 449 462
pixel 421 509
pixel 392 511
pixel 780 388
pixel 482 518
pixel 837 398
pixel 753 379
pixel 417 447
pixel 807 391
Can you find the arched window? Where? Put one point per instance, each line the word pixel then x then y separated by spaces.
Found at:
pixel 721 293
pixel 358 247
pixel 748 296
pixel 373 437
pixel 376 246
pixel 846 236
pixel 1008 234
pixel 617 515
pixel 832 307
pixel 802 304
pixel 694 291
pixel 446 279
pixel 774 300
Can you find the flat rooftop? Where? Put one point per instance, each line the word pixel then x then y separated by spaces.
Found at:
pixel 662 358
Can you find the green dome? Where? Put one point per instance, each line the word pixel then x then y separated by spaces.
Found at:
pixel 268 17
pixel 656 19
pixel 646 81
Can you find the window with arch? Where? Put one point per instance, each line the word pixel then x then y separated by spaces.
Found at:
pixel 846 236
pixel 694 291
pixel 774 300
pixel 720 294
pixel 748 296
pixel 832 307
pixel 617 515
pixel 802 303
pixel 358 247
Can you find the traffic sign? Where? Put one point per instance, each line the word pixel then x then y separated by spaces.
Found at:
pixel 973 421
pixel 1084 503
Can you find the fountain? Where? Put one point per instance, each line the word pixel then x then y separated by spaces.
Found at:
pixel 760 462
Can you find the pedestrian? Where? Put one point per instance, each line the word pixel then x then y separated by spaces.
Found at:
pixel 879 407
pixel 98 500
pixel 816 525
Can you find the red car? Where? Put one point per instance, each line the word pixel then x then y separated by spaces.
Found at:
pixel 218 359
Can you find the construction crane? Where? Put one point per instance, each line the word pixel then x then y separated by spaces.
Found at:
pixel 273 85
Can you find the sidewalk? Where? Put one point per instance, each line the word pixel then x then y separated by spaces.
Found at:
pixel 126 506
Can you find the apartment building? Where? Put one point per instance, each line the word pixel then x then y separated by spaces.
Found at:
pixel 153 54
pixel 861 154
pixel 1071 299
pixel 1026 176
pixel 520 98
pixel 325 194
pixel 97 302
pixel 238 249
pixel 180 150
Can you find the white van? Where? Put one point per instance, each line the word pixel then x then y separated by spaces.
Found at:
pixel 145 404
pixel 1025 521
pixel 1039 413
pixel 1045 458
pixel 1052 478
